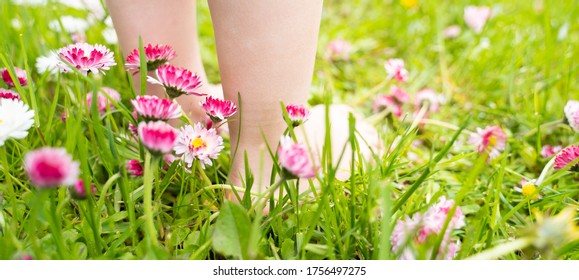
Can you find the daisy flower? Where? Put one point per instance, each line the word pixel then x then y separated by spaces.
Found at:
pixel 151 107
pixel 218 109
pixel 102 100
pixel 548 151
pixel 176 81
pixel 86 58
pixel 78 191
pixel 8 94
pixel 403 233
pixel 198 143
pixel 20 75
pixel 155 56
pixel 96 9
pixel 435 217
pixel 16 119
pixel 572 114
pixel 419 228
pixel 476 17
pixel 295 159
pixel 134 168
pixel 387 102
pixel 110 36
pixel 338 49
pixel 48 63
pixel 396 69
pixel 429 97
pixel 491 139
pixel 51 167
pixel 451 32
pixel 298 114
pixel 400 95
pixel 71 25
pixel 566 156
pixel 527 188
pixel 157 136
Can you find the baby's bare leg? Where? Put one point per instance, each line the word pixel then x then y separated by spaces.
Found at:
pixel 266 52
pixel 163 22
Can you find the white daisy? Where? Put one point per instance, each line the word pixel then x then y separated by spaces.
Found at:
pixel 30 2
pixel 110 36
pixel 93 6
pixel 15 119
pixel 198 143
pixel 70 24
pixel 48 63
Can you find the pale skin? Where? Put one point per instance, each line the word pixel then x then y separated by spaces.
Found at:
pixel 266 52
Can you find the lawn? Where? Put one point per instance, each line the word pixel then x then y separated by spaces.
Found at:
pixel 478 154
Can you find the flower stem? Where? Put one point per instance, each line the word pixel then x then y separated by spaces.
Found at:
pixel 150 231
pixel 203 175
pixel 545 171
pixel 543 126
pixel 264 197
pixel 502 249
pixel 10 186
pixel 443 124
pixel 55 227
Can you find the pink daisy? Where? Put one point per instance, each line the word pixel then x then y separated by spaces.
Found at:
pixel 387 102
pixel 20 75
pixel 435 217
pixel 430 98
pixel 220 127
pixel 399 95
pixel 403 229
pixel 338 49
pixel 198 143
pixel 86 58
pixel 78 190
pixel 157 136
pixel 476 17
pixel 548 151
pixel 134 168
pixel 451 32
pixel 572 114
pixel 566 156
pixel 176 81
pixel 51 167
pixel 298 114
pixel 133 128
pixel 78 37
pixel 492 139
pixel 102 99
pixel 396 69
pixel 9 94
pixel 151 107
pixel 419 228
pixel 218 109
pixel 155 56
pixel 295 159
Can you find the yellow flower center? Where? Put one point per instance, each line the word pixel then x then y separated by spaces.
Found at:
pixel 528 189
pixel 492 141
pixel 197 142
pixel 1 121
pixel 409 3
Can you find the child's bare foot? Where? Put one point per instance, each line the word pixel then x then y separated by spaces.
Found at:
pixel 313 133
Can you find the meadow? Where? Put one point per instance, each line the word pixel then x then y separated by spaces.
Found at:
pixel 474 103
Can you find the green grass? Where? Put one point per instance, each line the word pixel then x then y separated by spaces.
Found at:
pixel 518 73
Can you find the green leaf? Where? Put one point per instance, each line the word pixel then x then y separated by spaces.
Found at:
pixel 288 250
pixel 232 231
